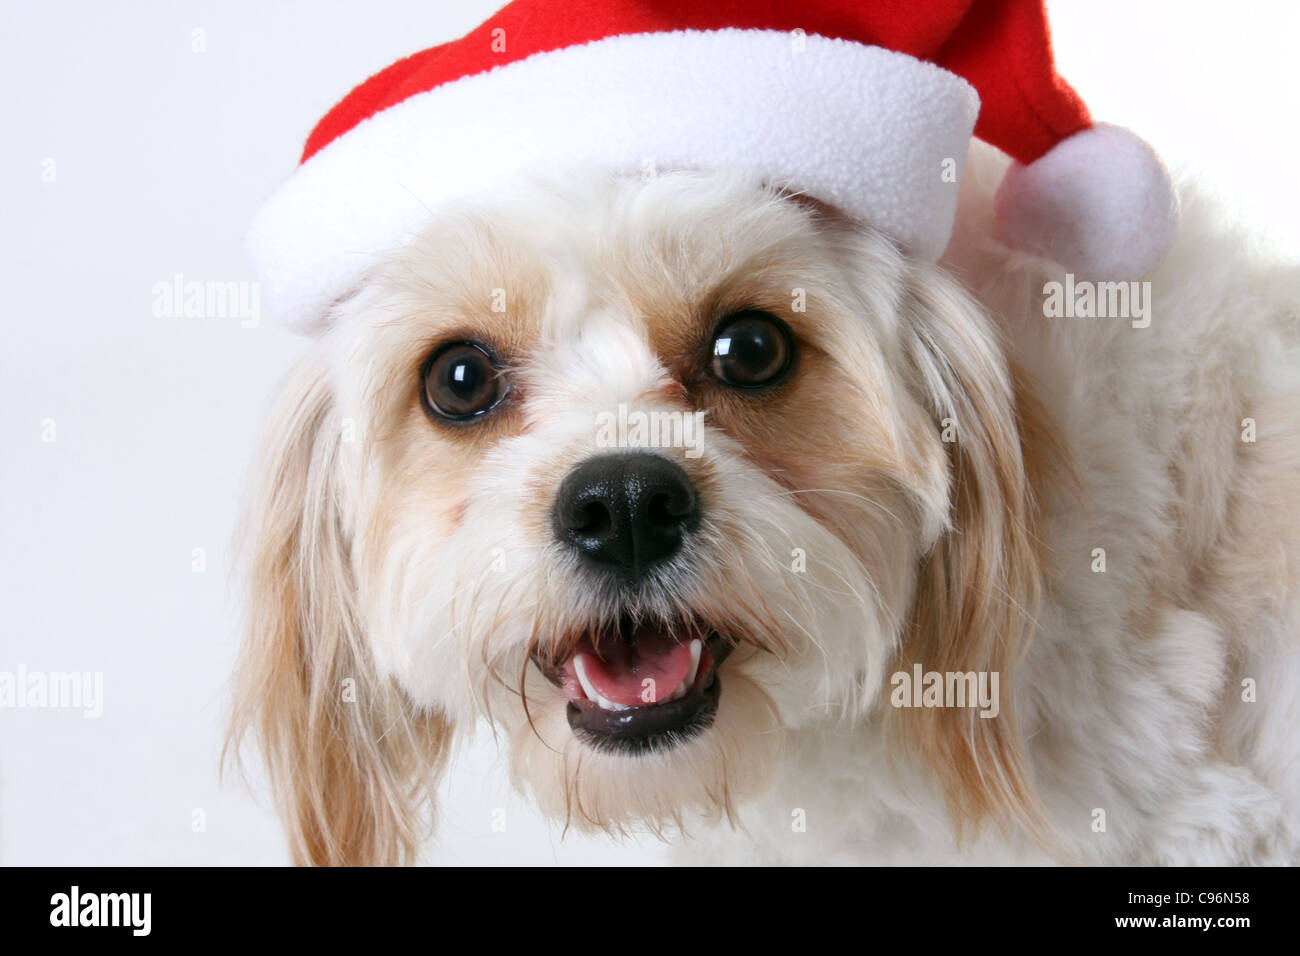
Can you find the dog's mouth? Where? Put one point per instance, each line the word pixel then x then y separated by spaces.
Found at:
pixel 640 686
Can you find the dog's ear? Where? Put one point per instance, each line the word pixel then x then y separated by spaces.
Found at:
pixel 351 762
pixel 980 585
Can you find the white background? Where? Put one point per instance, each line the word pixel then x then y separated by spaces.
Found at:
pixel 161 155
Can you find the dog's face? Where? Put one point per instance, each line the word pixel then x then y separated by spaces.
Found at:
pixel 646 474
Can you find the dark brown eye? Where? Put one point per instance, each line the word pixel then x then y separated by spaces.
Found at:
pixel 751 349
pixel 461 382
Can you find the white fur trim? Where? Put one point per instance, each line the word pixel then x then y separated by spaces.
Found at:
pixel 863 128
pixel 1100 203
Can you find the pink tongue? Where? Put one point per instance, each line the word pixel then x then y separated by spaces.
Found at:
pixel 625 673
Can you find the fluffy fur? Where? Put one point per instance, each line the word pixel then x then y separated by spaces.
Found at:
pixel 401 572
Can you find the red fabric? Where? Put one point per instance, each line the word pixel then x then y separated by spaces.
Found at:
pixel 1000 46
pixel 1003 49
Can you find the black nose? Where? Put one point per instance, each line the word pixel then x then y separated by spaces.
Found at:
pixel 626 513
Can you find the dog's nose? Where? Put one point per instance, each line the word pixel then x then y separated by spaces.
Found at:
pixel 626 513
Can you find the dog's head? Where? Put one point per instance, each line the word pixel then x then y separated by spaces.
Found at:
pixel 646 473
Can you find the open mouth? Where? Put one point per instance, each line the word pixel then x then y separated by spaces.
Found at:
pixel 640 686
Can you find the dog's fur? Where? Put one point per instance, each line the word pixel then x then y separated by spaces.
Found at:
pixel 401 572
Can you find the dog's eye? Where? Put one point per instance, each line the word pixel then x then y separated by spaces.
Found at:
pixel 461 382
pixel 751 349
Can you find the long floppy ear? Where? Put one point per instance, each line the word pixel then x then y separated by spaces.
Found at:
pixel 351 762
pixel 980 586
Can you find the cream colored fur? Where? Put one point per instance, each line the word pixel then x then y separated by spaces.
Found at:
pixel 400 573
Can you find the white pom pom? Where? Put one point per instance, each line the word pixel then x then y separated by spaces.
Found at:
pixel 1100 203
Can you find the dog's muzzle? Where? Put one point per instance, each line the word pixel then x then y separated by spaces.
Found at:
pixel 635 684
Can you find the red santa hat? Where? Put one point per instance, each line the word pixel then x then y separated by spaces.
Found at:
pixel 867 104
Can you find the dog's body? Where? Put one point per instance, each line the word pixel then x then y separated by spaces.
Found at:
pixel 948 478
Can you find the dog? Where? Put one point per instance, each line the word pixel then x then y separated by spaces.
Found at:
pixel 904 471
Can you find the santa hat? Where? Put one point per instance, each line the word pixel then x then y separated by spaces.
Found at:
pixel 866 104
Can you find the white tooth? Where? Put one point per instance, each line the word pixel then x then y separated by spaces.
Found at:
pixel 580 666
pixel 589 689
pixel 609 704
pixel 697 647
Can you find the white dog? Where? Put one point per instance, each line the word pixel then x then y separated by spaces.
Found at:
pixel 911 480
